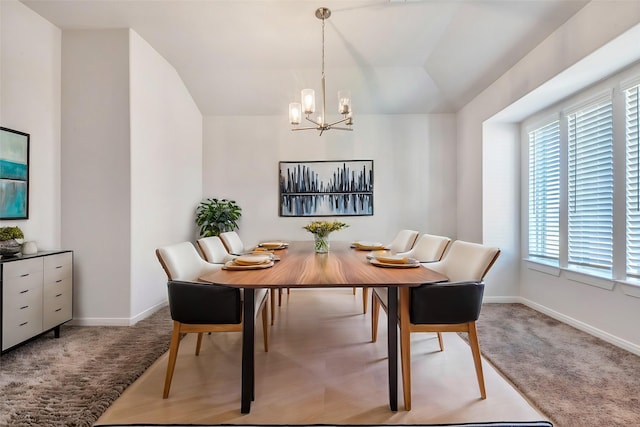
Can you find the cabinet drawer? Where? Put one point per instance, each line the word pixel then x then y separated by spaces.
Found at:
pixel 22 319
pixel 55 312
pixel 17 288
pixel 57 261
pixel 58 273
pixel 58 287
pixel 21 268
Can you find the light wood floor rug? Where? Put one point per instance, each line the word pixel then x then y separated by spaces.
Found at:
pixel 322 368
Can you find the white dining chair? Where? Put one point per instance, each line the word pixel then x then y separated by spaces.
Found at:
pixel 442 307
pixel 183 266
pixel 403 242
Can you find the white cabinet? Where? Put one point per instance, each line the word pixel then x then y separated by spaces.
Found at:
pixel 36 295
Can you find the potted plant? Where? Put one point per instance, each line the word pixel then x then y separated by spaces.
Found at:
pixel 9 244
pixel 215 216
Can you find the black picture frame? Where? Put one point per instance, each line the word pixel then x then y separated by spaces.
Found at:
pixel 326 188
pixel 14 174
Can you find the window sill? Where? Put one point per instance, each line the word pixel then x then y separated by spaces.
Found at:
pixel 543 267
pixel 590 278
pixel 587 277
pixel 630 287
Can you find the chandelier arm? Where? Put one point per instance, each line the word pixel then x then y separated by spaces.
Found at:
pixel 340 128
pixel 313 121
pixel 339 121
pixel 307 128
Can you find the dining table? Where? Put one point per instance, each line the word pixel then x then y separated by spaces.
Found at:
pixel 299 266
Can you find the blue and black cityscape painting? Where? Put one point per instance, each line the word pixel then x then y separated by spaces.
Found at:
pixel 326 188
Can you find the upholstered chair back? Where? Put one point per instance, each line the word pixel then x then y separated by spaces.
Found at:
pixel 403 241
pixel 232 242
pixel 466 261
pixel 214 250
pixel 182 261
pixel 428 248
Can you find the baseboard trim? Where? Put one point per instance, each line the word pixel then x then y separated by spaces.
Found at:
pixel 116 321
pixel 605 336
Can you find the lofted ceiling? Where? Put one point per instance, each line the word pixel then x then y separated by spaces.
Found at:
pixel 397 57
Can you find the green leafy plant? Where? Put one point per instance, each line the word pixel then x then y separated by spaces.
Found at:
pixel 8 233
pixel 215 216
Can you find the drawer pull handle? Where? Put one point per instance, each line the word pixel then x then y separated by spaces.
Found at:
pixel 60 266
pixel 22 324
pixel 59 295
pixel 24 275
pixel 22 308
pixel 58 281
pixel 25 291
pixel 59 309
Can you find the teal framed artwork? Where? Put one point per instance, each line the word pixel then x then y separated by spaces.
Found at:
pixel 14 174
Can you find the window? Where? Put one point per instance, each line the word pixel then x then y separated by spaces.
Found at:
pixel 632 118
pixel 544 191
pixel 590 186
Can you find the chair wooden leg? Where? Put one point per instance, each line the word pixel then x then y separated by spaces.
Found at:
pixel 365 298
pixel 199 344
pixel 440 341
pixel 405 347
pixel 265 326
pixel 272 304
pixel 375 315
pixel 477 360
pixel 173 354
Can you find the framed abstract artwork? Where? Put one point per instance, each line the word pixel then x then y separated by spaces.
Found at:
pixel 326 188
pixel 14 174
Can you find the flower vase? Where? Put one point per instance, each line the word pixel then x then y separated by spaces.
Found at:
pixel 321 243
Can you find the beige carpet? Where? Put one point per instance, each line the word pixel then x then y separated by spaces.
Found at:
pixel 575 378
pixel 321 369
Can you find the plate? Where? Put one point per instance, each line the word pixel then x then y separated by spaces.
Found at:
pixel 368 246
pixel 412 264
pixel 252 259
pixel 231 265
pixel 376 254
pixel 273 245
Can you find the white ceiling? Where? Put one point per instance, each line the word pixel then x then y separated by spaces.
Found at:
pixel 397 57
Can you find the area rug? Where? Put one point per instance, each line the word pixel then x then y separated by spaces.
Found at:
pixel 488 424
pixel 574 378
pixel 70 381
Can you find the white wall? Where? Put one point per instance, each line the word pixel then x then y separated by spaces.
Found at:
pixel 30 102
pixel 96 172
pixel 483 126
pixel 166 169
pixel 414 172
pixel 132 171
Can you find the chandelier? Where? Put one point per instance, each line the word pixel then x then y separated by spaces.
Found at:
pixel 308 104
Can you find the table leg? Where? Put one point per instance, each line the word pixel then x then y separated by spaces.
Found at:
pixel 392 345
pixel 248 353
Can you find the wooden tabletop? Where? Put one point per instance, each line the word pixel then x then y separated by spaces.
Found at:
pixel 301 267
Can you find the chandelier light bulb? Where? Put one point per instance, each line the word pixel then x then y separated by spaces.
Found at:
pixel 309 101
pixel 344 102
pixel 295 113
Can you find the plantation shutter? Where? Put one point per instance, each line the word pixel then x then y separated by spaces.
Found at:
pixel 590 186
pixel 632 117
pixel 544 191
